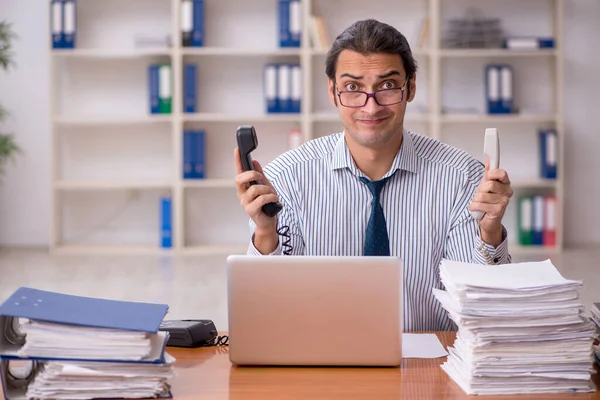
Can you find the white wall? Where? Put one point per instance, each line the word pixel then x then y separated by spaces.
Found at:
pixel 582 84
pixel 25 192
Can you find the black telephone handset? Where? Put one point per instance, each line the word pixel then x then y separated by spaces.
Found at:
pixel 247 142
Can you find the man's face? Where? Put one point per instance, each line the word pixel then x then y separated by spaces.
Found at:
pixel 371 125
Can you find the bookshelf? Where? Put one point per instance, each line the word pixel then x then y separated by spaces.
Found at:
pixel 113 160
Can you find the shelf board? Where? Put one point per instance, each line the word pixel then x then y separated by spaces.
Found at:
pixel 209 183
pixel 110 250
pixel 216 249
pixel 230 183
pixel 534 183
pixel 112 184
pixel 94 120
pixel 233 51
pixel 333 117
pixel 415 52
pixel 218 117
pixel 413 117
pixel 325 117
pixel 498 118
pixel 318 52
pixel 466 53
pixel 111 53
pixel 520 250
pixel 148 250
pixel 227 249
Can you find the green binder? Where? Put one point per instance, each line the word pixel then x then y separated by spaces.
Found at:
pixel 525 220
pixel 165 91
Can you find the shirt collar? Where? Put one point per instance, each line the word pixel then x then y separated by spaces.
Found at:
pixel 405 159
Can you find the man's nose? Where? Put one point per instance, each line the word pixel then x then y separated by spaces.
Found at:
pixel 371 107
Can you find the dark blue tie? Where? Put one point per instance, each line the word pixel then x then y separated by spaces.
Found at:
pixel 376 240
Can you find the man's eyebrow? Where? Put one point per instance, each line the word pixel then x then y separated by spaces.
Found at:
pixel 350 76
pixel 388 74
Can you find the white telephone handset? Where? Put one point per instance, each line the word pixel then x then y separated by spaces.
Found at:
pixel 491 149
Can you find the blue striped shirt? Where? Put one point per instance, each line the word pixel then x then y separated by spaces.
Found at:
pixel 327 207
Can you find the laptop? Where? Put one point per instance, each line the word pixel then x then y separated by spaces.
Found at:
pixel 314 310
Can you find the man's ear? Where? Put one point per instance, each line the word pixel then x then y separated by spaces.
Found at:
pixel 331 87
pixel 412 84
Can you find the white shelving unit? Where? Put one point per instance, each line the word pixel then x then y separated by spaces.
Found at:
pixel 112 160
pixel 538 75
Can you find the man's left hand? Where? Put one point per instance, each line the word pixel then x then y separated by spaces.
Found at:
pixel 492 197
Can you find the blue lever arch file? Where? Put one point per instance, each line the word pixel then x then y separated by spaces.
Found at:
pixel 70 24
pixel 46 306
pixel 548 153
pixel 57 23
pixel 85 311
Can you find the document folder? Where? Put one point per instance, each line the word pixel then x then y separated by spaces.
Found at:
pixel 85 311
pixel 9 348
pixel 46 306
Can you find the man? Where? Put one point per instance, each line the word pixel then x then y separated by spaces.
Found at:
pixel 377 188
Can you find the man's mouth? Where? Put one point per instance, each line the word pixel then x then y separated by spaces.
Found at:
pixel 372 121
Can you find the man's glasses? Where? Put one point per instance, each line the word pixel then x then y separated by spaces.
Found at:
pixel 383 97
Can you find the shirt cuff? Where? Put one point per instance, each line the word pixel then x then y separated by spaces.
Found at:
pixel 253 251
pixel 488 254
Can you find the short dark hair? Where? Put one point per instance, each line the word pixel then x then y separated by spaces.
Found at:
pixel 370 37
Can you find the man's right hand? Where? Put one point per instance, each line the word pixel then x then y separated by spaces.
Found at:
pixel 252 198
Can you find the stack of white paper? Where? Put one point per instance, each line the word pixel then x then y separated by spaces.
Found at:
pixel 595 317
pixel 52 340
pixel 101 380
pixel 82 362
pixel 521 329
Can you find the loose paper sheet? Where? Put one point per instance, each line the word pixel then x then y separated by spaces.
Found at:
pixel 422 345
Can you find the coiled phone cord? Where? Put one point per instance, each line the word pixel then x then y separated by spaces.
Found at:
pixel 220 341
pixel 285 232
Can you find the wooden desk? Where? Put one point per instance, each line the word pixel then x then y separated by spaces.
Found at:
pixel 207 374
